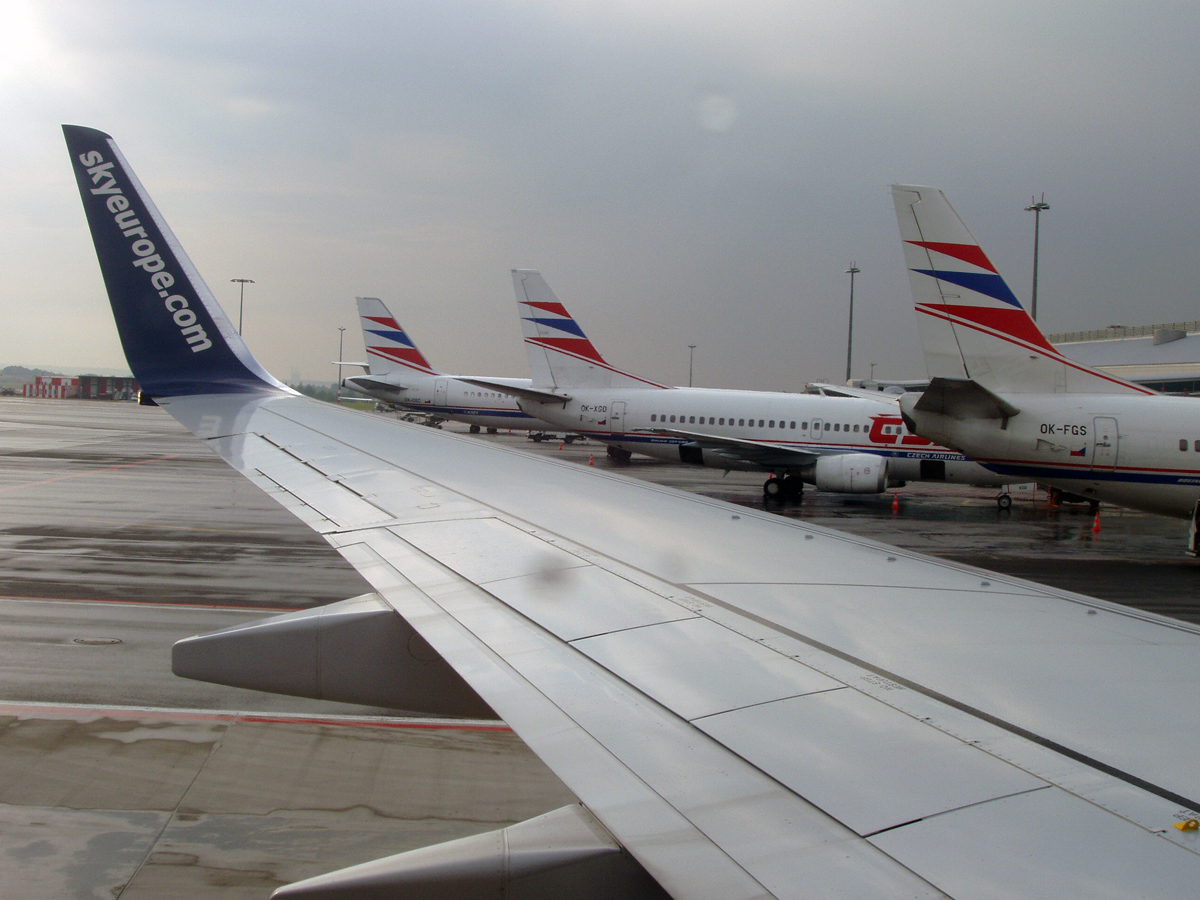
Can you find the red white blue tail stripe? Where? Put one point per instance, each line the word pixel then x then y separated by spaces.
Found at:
pixel 989 304
pixel 972 325
pixel 388 346
pixel 560 354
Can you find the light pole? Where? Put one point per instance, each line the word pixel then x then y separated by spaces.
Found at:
pixel 1036 207
pixel 852 271
pixel 691 350
pixel 241 297
pixel 341 336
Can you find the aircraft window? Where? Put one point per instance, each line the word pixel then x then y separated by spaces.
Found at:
pixel 856 429
pixel 804 426
pixel 1183 443
pixel 836 426
pixel 692 420
pixel 826 426
pixel 793 426
pixel 712 420
pixel 1198 446
pixel 760 423
pixel 653 417
pixel 672 418
pixel 772 424
pixel 741 421
pixel 722 422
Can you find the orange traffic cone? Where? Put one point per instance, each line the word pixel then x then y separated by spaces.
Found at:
pixel 560 446
pixel 591 460
pixel 895 503
pixel 1096 524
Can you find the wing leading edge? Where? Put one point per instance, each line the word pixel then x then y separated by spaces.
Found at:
pixel 750 706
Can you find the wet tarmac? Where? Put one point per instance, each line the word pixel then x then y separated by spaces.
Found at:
pixel 120 533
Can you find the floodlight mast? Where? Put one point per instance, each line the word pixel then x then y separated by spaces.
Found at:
pixel 852 271
pixel 1036 207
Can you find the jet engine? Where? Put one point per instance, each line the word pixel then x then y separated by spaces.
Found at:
pixel 851 473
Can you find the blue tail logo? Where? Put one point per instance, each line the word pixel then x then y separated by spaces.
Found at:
pixel 175 335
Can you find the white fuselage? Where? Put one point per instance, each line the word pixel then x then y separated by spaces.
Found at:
pixel 805 423
pixel 450 398
pixel 1132 450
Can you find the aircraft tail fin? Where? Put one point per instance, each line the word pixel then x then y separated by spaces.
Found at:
pixel 972 325
pixel 176 337
pixel 389 348
pixel 560 354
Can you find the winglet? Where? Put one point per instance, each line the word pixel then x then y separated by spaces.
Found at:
pixel 176 337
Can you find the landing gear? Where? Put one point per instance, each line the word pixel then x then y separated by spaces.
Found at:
pixel 789 487
pixel 474 429
pixel 1004 501
pixel 493 431
pixel 619 454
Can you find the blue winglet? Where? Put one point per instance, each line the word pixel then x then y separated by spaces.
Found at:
pixel 176 337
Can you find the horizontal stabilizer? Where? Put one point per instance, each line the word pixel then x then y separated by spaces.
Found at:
pixel 367 383
pixel 521 393
pixel 963 399
pixel 356 651
pixel 565 853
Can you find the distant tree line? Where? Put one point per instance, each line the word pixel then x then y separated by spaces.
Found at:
pixel 23 372
pixel 326 392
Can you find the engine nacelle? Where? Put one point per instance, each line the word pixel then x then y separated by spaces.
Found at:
pixel 851 473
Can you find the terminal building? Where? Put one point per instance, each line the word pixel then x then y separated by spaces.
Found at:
pixel 84 387
pixel 1163 357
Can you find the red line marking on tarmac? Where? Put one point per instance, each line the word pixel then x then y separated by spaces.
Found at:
pixel 171 603
pixel 256 718
pixel 142 462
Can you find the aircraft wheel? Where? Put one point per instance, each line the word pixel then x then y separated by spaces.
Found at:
pixel 773 488
pixel 793 487
pixel 1004 501
pixel 493 431
pixel 620 454
pixel 474 429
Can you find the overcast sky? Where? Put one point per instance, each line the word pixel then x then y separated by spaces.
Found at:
pixel 682 172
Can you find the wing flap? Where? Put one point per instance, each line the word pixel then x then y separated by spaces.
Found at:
pixel 714 828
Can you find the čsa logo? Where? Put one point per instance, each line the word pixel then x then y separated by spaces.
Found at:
pixel 890 430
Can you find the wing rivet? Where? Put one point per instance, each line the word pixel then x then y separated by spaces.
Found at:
pixel 1189 825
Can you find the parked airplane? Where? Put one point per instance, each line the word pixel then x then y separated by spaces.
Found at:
pixel 398 373
pixel 1000 392
pixel 745 705
pixel 849 444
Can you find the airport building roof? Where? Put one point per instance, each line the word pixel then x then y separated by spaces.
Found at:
pixel 1165 357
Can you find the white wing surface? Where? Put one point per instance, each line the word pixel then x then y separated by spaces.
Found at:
pixel 751 707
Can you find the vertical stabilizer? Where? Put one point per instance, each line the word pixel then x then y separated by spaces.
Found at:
pixel 560 355
pixel 389 348
pixel 972 326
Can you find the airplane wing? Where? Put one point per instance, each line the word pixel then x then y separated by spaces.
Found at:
pixel 746 706
pixel 520 392
pixel 760 453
